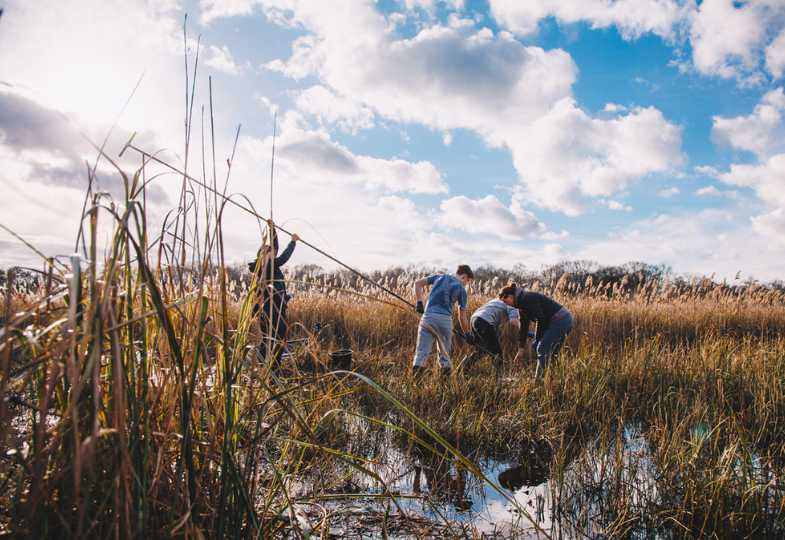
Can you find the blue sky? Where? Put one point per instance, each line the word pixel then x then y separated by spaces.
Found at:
pixel 419 132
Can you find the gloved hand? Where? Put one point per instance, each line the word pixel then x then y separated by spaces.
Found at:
pixel 468 337
pixel 534 344
pixel 419 308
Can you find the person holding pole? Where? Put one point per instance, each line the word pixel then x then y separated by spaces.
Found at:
pixel 554 322
pixel 272 307
pixel 436 322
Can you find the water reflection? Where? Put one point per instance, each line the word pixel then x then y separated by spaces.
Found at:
pixel 443 484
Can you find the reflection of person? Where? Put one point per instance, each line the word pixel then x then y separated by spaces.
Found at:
pixel 436 322
pixel 554 322
pixel 273 305
pixel 486 325
pixel 443 486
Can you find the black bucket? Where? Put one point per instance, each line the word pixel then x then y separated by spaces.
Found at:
pixel 341 359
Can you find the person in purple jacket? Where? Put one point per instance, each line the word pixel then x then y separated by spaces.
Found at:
pixel 554 322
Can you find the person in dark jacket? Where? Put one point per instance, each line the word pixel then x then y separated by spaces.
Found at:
pixel 554 322
pixel 272 305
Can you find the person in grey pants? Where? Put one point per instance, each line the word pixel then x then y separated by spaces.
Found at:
pixel 436 322
pixel 554 322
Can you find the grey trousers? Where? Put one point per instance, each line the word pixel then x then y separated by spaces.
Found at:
pixel 442 325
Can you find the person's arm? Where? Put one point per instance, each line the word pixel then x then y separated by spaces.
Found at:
pixel 418 285
pixel 464 321
pixel 523 335
pixel 287 253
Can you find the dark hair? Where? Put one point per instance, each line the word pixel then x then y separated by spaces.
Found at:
pixel 507 290
pixel 465 270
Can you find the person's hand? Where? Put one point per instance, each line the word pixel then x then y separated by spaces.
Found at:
pixel 419 308
pixel 468 337
pixel 534 344
pixel 518 357
pixel 295 237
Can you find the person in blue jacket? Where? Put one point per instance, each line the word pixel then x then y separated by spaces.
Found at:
pixel 554 322
pixel 436 322
pixel 273 300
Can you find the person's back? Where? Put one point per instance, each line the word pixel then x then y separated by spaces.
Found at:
pixel 446 290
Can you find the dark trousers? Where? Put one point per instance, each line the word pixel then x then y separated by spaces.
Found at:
pixel 486 338
pixel 272 323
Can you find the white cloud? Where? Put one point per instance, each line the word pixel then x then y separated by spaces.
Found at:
pixel 614 108
pixel 314 156
pixel 221 59
pixel 86 57
pixel 707 170
pixel 615 205
pixel 725 38
pixel 215 9
pixel 771 225
pixel 729 39
pixel 707 242
pixel 459 77
pixel 670 192
pixel 348 114
pixel 489 215
pixel 568 154
pixel 767 179
pixel 775 56
pixel 632 17
pixel 709 191
pixel 761 132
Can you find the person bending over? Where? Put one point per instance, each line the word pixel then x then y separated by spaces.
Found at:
pixel 436 322
pixel 554 322
pixel 486 325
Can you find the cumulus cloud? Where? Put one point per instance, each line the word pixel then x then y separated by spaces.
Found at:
pixel 709 191
pixel 313 155
pixel 330 109
pixel 761 132
pixel 456 76
pixel 709 242
pixel 221 59
pixel 490 216
pixel 729 39
pixel 726 37
pixel 775 56
pixel 670 192
pixel 767 179
pixel 632 17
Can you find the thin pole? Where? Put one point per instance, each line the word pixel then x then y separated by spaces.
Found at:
pixel 238 205
pixel 272 167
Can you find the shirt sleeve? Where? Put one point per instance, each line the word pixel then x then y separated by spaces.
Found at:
pixel 512 314
pixel 284 257
pixel 462 300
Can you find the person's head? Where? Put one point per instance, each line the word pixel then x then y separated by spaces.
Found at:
pixel 507 293
pixel 464 274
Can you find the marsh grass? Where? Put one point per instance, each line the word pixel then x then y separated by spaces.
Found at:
pixel 135 404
